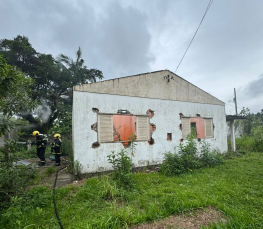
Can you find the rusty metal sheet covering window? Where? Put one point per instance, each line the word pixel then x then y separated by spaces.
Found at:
pixel 186 127
pixel 105 128
pixel 209 130
pixel 142 128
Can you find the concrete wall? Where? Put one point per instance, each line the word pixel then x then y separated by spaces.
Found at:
pixel 166 118
pixel 160 85
pixel 12 135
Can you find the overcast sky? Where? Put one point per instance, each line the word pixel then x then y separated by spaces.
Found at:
pixel 128 37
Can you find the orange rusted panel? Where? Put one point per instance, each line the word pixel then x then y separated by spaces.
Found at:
pixel 200 127
pixel 123 127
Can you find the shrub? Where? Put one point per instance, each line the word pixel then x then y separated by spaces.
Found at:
pixel 13 178
pixel 122 166
pixel 187 159
pixel 67 148
pixel 210 158
pixel 189 154
pixel 257 134
pixel 172 164
pixel 245 143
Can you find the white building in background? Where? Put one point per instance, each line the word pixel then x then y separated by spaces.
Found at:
pixel 158 107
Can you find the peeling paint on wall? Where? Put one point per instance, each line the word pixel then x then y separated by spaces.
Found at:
pixel 151 142
pixel 150 113
pixel 95 110
pixel 165 119
pixel 94 127
pixel 95 145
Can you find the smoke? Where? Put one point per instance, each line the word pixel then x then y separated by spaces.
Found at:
pixel 43 111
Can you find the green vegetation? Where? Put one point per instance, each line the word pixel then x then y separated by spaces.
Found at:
pixel 53 82
pixel 14 179
pixel 251 130
pixel 235 188
pixel 122 165
pixel 189 159
pixel 15 94
pixel 251 142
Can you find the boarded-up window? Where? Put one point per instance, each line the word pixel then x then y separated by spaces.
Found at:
pixel 209 128
pixel 202 127
pixel 186 127
pixel 105 128
pixel 142 128
pixel 120 128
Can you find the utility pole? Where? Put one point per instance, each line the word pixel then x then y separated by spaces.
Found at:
pixel 235 100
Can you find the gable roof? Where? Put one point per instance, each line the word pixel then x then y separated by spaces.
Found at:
pixel 162 84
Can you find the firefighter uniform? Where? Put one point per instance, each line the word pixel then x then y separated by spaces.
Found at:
pixel 41 143
pixel 56 148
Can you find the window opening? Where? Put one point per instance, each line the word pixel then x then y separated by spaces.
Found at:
pixel 169 136
pixel 193 129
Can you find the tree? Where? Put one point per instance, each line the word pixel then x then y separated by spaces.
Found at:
pixel 15 94
pixel 53 79
pixel 253 121
pixel 79 72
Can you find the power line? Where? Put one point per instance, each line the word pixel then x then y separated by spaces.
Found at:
pixel 242 108
pixel 209 4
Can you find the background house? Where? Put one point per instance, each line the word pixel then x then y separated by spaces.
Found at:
pixel 158 107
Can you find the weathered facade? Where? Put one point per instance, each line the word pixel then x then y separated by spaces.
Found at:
pixel 159 108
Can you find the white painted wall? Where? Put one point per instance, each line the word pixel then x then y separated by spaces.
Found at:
pixel 166 118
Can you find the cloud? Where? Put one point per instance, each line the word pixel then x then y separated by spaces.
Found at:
pixel 114 38
pixel 125 41
pixel 255 87
pixel 126 37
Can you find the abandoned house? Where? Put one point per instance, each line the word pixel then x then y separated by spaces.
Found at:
pixel 159 108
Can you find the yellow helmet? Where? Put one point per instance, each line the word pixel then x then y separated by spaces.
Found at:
pixel 35 133
pixel 57 136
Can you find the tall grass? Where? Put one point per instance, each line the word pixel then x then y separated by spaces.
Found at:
pixel 235 188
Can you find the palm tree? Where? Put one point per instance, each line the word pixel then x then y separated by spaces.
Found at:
pixel 79 72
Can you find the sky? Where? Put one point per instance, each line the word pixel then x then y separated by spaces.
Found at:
pixel 128 37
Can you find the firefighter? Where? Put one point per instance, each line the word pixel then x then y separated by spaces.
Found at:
pixel 41 143
pixel 56 148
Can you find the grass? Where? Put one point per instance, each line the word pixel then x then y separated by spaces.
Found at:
pixel 235 188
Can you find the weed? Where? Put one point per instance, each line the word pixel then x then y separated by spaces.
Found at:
pixel 172 165
pixel 210 158
pixel 109 190
pixel 234 188
pixel 77 169
pixel 189 158
pixel 50 170
pixel 132 140
pixel 122 166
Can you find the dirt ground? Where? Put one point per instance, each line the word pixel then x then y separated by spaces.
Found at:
pixel 48 173
pixel 193 220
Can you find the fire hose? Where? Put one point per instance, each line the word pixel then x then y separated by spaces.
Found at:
pixel 54 200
